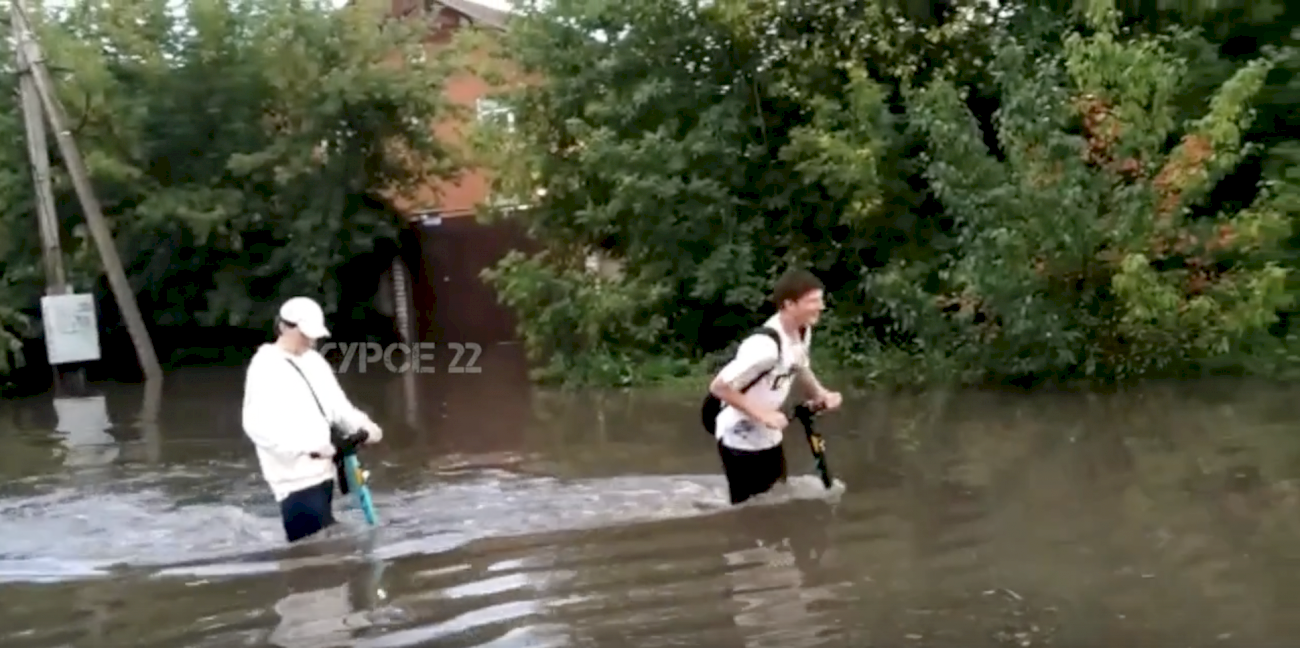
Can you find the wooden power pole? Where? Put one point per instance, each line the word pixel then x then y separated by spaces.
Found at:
pixel 38 98
pixel 56 280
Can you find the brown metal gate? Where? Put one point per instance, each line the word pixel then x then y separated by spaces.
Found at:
pixel 453 303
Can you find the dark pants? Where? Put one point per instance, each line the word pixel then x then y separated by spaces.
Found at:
pixel 752 472
pixel 308 511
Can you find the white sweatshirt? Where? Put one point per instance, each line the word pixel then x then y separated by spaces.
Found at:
pixel 284 423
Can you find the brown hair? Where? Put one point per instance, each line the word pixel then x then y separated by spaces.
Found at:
pixel 793 285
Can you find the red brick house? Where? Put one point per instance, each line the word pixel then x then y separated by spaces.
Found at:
pixel 436 295
pixel 432 290
pixel 445 17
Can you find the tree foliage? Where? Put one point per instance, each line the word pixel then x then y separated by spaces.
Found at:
pixel 240 148
pixel 1079 252
pixel 990 190
pixel 704 146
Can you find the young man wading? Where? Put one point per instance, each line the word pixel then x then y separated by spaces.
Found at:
pixel 294 408
pixel 753 387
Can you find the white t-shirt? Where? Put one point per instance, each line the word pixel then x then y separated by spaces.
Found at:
pixel 758 353
pixel 284 422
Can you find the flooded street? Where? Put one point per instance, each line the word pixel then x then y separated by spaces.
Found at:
pixel 1166 516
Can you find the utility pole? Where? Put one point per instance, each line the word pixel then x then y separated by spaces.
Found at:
pixel 56 280
pixel 38 152
pixel 31 65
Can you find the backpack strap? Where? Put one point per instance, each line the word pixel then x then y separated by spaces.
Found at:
pixel 335 435
pixel 776 337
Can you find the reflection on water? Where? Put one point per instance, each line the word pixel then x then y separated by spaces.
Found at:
pixel 84 424
pixel 772 580
pixel 1162 516
pixel 320 617
pixel 316 613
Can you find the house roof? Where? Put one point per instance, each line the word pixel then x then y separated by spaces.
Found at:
pixel 478 13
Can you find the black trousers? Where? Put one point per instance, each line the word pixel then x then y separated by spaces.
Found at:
pixel 752 472
pixel 308 511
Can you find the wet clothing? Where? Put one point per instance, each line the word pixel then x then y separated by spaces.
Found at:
pixel 752 472
pixel 757 354
pixel 292 406
pixel 752 457
pixel 283 420
pixel 308 511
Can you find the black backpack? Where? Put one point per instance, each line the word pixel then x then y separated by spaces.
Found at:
pixel 712 406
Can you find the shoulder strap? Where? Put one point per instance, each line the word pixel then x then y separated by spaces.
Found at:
pixel 776 337
pixel 341 479
pixel 313 391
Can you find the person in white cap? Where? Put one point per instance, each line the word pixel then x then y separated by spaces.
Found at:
pixel 292 404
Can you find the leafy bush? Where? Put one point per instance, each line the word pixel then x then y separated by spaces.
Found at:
pixel 1081 252
pixel 585 328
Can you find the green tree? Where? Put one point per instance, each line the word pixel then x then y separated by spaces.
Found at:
pixel 1229 33
pixel 990 191
pixel 241 148
pixel 1081 253
pixel 705 146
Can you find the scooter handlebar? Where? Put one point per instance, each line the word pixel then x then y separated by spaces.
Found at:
pixel 347 445
pixel 804 413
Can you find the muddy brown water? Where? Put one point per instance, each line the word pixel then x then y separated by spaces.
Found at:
pixel 1162 516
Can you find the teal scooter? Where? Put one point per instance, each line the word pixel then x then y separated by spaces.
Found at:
pixel 351 478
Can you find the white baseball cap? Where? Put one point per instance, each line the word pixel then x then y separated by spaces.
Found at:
pixel 306 314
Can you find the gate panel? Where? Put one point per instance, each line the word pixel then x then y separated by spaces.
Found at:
pixel 454 303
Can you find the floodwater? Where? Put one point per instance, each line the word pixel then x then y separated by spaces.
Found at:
pixel 1165 516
